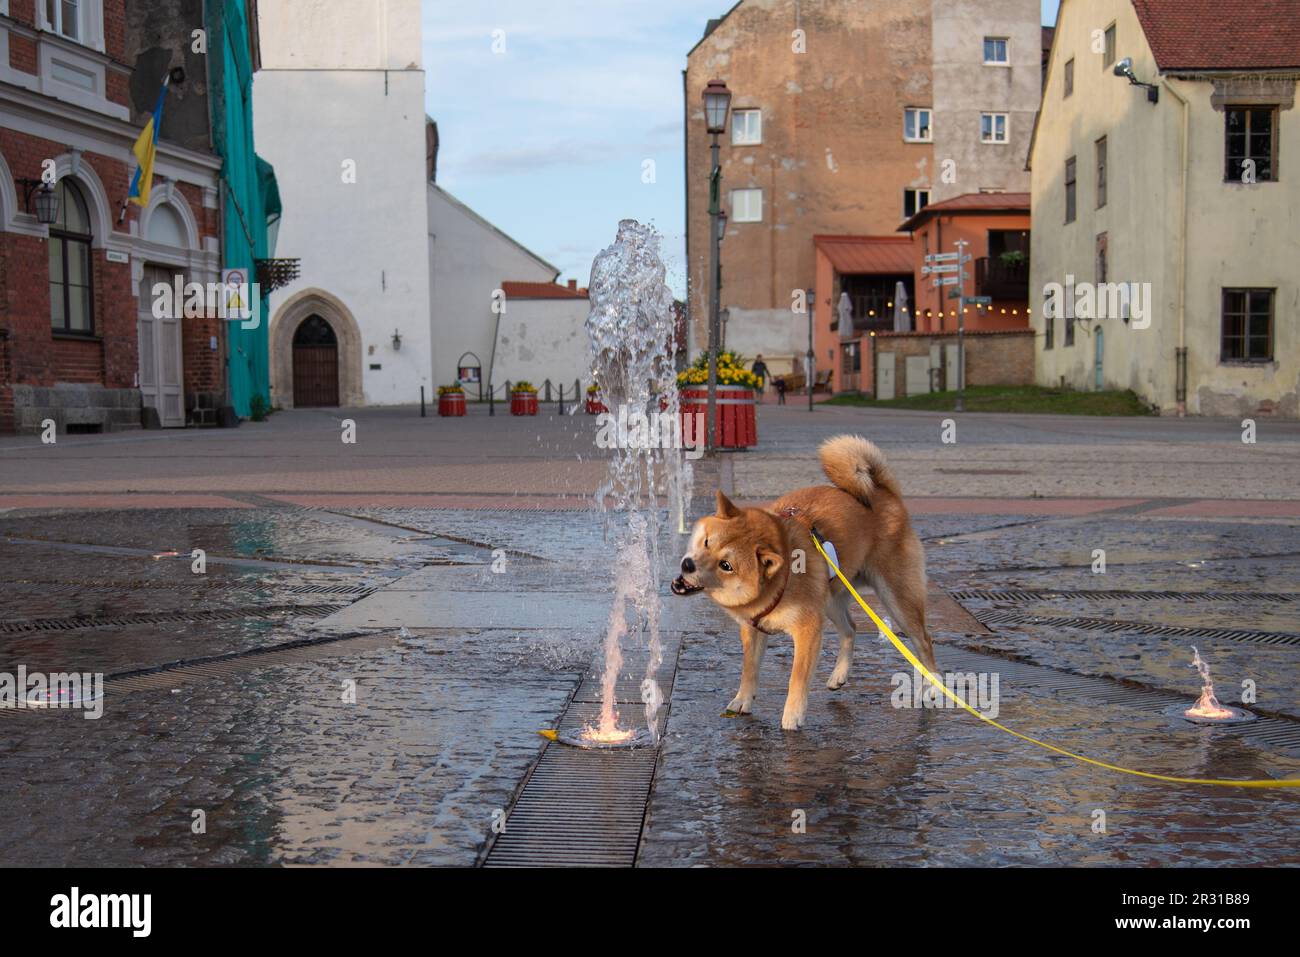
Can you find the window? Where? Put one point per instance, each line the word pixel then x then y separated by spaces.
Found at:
pixel 64 17
pixel 1069 77
pixel 69 251
pixel 1108 55
pixel 1247 330
pixel 1049 326
pixel 995 51
pixel 1102 264
pixel 914 200
pixel 993 127
pixel 1101 172
pixel 916 125
pixel 1069 190
pixel 1251 135
pixel 166 227
pixel 746 205
pixel 746 127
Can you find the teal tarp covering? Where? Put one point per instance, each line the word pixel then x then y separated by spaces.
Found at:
pixel 244 237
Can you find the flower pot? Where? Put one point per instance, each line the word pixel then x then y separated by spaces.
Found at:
pixel 523 403
pixel 737 423
pixel 451 403
pixel 594 405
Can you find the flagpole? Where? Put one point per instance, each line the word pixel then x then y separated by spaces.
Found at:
pixel 162 93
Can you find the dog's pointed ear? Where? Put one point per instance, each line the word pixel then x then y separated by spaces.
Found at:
pixel 725 507
pixel 770 560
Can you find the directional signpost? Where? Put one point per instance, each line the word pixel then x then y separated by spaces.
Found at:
pixel 949 269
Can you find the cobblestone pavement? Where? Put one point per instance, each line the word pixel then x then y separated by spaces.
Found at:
pixel 1022 456
pixel 464 631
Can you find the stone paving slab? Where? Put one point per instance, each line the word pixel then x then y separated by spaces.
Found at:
pixel 880 786
pixel 285 771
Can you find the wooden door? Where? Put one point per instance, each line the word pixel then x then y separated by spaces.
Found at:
pixel 159 350
pixel 315 364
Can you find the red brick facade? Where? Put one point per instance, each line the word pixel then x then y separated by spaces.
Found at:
pixel 41 368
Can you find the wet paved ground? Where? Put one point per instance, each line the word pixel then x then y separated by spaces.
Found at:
pixel 465 631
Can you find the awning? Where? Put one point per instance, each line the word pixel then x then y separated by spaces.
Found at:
pixel 878 255
pixel 270 190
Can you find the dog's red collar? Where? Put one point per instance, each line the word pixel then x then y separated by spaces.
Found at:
pixel 772 607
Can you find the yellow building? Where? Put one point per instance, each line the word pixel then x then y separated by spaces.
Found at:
pixel 1165 190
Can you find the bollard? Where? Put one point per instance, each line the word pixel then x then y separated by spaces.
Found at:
pixel 492 406
pixel 422 402
pixel 561 398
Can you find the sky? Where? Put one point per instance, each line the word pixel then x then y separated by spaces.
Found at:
pixel 550 113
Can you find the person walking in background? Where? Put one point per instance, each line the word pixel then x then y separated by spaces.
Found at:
pixel 759 368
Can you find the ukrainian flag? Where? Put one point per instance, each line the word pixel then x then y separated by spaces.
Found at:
pixel 146 146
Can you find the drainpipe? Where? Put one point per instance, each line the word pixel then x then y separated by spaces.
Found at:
pixel 1180 356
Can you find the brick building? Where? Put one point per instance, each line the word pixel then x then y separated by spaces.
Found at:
pixel 846 119
pixel 79 344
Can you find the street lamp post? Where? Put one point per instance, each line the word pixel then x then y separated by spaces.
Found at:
pixel 717 103
pixel 960 405
pixel 811 376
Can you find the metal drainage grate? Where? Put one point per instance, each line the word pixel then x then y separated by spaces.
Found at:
pixel 586 808
pixel 1109 595
pixel 992 617
pixel 1277 734
pixel 195 617
pixel 170 676
pixel 57 586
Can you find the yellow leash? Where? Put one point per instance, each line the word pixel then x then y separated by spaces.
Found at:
pixel 906 653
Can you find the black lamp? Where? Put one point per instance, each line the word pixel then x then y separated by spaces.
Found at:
pixel 717 101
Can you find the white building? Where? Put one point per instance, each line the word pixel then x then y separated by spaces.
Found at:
pixel 497 313
pixel 402 286
pixel 339 111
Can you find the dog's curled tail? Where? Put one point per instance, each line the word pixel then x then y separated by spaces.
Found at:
pixel 858 467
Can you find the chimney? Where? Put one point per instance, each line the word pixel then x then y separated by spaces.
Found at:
pixel 573 284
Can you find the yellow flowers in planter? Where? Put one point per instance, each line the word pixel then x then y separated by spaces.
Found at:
pixel 523 385
pixel 731 371
pixel 450 390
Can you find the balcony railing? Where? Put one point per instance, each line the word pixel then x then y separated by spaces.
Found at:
pixel 1002 280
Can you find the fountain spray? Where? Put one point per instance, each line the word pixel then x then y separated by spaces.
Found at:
pixel 631 335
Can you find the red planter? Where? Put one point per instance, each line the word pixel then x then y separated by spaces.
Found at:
pixel 594 405
pixel 451 403
pixel 737 423
pixel 523 403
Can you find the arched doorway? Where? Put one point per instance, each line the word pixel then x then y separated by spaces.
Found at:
pixel 315 364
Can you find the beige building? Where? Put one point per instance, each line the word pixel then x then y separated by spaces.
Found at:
pixel 846 118
pixel 1165 215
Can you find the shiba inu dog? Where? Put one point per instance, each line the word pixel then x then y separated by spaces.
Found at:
pixel 761 566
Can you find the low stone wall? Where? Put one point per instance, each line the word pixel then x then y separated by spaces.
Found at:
pixel 1000 357
pixel 75 404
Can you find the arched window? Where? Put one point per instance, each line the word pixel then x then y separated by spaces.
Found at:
pixel 166 227
pixel 71 295
pixel 314 331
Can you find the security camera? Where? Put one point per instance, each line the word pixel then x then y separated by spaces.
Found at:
pixel 1124 68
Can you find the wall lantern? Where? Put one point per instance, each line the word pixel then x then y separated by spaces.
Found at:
pixel 397 341
pixel 47 200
